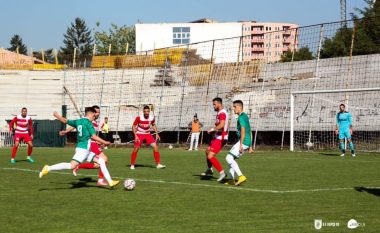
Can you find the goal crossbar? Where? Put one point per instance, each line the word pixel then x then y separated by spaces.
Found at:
pixel 318 92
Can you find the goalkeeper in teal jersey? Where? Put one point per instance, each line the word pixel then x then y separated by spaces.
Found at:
pixel 344 129
pixel 244 134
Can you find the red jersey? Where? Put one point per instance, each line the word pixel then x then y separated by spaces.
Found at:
pixel 222 134
pixel 22 124
pixel 96 126
pixel 143 124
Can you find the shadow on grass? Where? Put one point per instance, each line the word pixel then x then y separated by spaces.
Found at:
pixel 142 165
pixel 81 183
pixel 205 177
pixel 373 191
pixel 329 154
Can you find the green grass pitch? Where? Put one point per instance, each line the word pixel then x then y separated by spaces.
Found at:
pixel 285 192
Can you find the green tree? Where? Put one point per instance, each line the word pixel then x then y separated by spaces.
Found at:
pixel 367 34
pixel 16 42
pixel 77 36
pixel 48 55
pixel 339 45
pixel 301 54
pixel 118 37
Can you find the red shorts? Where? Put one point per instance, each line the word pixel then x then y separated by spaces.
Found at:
pixel 23 136
pixel 95 148
pixel 149 140
pixel 217 145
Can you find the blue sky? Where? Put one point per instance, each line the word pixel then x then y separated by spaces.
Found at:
pixel 42 23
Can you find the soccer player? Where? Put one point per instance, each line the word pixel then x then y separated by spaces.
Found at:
pixel 244 134
pixel 95 149
pixel 141 129
pixel 196 128
pixel 221 138
pixel 22 122
pixel 85 132
pixel 344 129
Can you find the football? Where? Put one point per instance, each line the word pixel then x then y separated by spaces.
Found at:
pixel 129 184
pixel 170 147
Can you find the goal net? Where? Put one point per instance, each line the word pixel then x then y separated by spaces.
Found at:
pixel 313 118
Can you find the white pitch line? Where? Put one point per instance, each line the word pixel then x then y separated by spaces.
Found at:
pixel 202 185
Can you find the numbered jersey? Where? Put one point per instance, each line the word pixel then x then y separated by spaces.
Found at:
pixel 85 130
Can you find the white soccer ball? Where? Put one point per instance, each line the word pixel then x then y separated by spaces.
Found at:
pixel 170 147
pixel 129 184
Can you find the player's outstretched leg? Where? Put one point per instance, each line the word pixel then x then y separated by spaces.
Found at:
pixel 107 176
pixel 56 167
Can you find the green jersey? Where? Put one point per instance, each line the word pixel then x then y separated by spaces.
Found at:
pixel 85 130
pixel 243 121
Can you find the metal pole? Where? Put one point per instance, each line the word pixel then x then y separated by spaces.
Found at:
pixel 183 93
pixel 211 66
pixel 83 84
pixel 163 83
pixel 120 91
pixel 291 122
pixel 316 79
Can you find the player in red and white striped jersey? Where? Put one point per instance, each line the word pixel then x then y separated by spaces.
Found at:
pixel 95 149
pixel 221 138
pixel 23 131
pixel 141 129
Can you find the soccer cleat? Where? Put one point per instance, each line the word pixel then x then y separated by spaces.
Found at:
pixel 241 180
pixel 101 182
pixel 353 155
pixel 44 171
pixel 190 149
pixel 160 166
pixel 342 155
pixel 222 176
pixel 30 160
pixel 132 167
pixel 114 183
pixel 75 170
pixel 13 161
pixel 208 172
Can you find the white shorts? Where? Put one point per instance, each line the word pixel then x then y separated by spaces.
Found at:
pixel 80 155
pixel 235 150
pixel 91 157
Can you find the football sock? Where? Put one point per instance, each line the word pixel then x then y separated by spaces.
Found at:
pixel 342 147
pixel 216 164
pixel 157 157
pixel 230 160
pixel 30 149
pixel 209 164
pixel 104 170
pixel 236 167
pixel 352 148
pixel 14 151
pixel 101 176
pixel 59 166
pixel 133 158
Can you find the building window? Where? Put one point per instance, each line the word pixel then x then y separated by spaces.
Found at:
pixel 181 35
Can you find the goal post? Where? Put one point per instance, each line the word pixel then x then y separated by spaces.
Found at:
pixel 312 118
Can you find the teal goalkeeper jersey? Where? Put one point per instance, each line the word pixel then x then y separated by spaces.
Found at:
pixel 243 121
pixel 343 120
pixel 85 130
